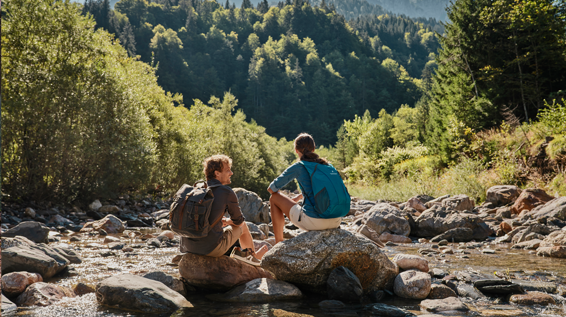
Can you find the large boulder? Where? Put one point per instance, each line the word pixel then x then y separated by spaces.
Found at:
pixel 308 259
pixel 412 284
pixel 555 208
pixel 8 308
pixel 459 202
pixel 383 217
pixel 438 220
pixel 38 259
pixel 252 206
pixel 502 195
pixel 222 273
pixel 131 292
pixel 529 199
pixel 15 283
pixel 43 294
pixel 33 230
pixel 110 224
pixel 260 290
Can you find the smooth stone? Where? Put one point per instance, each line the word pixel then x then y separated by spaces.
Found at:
pixel 8 308
pixel 344 285
pixel 43 294
pixel 384 310
pixel 410 262
pixel 260 290
pixel 412 284
pixel 221 273
pixel 440 291
pixel 308 259
pixel 131 292
pixel 467 290
pixel 32 230
pixel 110 224
pixel 448 304
pixel 532 298
pixel 111 239
pixel 15 283
pixel 501 287
pixel 170 281
pixel 82 289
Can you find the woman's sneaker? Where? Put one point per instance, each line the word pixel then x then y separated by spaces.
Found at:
pixel 245 255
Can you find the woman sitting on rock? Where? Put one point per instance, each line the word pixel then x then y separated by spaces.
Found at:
pixel 326 199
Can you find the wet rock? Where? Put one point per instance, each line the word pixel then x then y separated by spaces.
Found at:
pixel 410 262
pixel 43 294
pixel 137 293
pixel 467 290
pixel 459 202
pixel 308 259
pixel 532 298
pixel 110 224
pixel 440 291
pixel 260 290
pixel 529 199
pixel 172 282
pixel 8 308
pixel 412 284
pixel 455 235
pixel 252 206
pixel 383 217
pixel 82 289
pixel 331 305
pixel 547 287
pixel 502 194
pixel 449 304
pixel 386 237
pixel 33 230
pixel 37 258
pixel 555 208
pixel 222 273
pixel 344 285
pixel 437 220
pixel 498 287
pixel 384 310
pixel 416 204
pixel 15 283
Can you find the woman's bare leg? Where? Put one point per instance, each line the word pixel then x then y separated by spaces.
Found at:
pixel 280 207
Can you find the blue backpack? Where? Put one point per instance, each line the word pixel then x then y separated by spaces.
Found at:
pixel 331 198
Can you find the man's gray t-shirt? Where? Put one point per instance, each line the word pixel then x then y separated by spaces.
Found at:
pixel 225 200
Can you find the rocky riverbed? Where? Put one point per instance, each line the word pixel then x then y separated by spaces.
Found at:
pixel 441 256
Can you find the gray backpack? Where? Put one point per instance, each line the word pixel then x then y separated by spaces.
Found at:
pixel 190 211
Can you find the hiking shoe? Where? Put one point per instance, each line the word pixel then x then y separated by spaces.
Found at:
pixel 245 256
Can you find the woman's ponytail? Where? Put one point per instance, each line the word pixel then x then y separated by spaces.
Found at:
pixel 304 143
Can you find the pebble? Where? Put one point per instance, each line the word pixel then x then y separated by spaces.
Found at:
pixel 488 251
pixel 443 242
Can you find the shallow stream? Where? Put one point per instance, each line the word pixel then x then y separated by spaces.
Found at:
pixel 516 264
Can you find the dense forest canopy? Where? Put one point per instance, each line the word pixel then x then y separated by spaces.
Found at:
pixel 293 67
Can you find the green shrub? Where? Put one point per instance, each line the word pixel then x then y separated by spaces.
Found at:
pixel 554 116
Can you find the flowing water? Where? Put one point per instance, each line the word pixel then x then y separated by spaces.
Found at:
pixel 516 264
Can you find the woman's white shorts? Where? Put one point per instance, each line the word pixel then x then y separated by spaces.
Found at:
pixel 308 223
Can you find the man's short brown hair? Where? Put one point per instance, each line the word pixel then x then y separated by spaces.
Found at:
pixel 215 163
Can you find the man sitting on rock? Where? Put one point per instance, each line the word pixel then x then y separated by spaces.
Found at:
pixel 222 236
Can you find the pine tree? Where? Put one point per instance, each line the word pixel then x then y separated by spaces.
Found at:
pixel 247 4
pixel 263 6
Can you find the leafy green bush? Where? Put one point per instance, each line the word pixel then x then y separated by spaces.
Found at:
pixel 554 116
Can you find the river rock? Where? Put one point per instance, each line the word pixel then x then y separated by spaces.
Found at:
pixel 38 259
pixel 222 273
pixel 82 289
pixel 410 262
pixel 556 238
pixel 109 209
pixel 260 290
pixel 386 237
pixel 60 220
pixel 33 230
pixel 529 199
pixel 440 291
pixel 331 305
pixel 110 224
pixel 8 308
pixel 95 205
pixel 383 217
pixel 455 235
pixel 537 286
pixel 449 304
pixel 555 208
pixel 370 234
pixel 384 310
pixel 552 252
pixel 308 259
pixel 172 282
pixel 498 287
pixel 110 239
pixel 344 285
pixel 127 291
pixel 252 206
pixel 436 202
pixel 412 284
pixel 532 298
pixel 15 283
pixel 416 204
pixel 16 241
pixel 43 294
pixel 467 290
pixel 170 235
pixel 459 202
pixel 438 220
pixel 502 195
pixel 528 245
pixel 255 231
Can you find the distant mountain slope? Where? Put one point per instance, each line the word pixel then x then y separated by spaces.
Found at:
pixel 416 8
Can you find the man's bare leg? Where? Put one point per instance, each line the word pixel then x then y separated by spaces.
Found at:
pixel 247 242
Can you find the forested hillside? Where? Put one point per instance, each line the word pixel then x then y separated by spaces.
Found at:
pixel 293 68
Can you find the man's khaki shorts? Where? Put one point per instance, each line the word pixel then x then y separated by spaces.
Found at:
pixel 310 224
pixel 229 237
